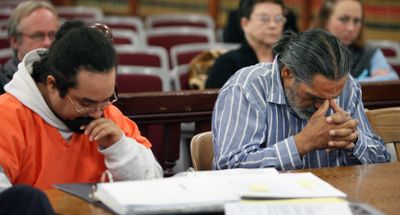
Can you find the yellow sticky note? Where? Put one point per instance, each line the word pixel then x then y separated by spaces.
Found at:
pixel 259 188
pixel 306 183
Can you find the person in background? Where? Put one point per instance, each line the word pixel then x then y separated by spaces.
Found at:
pixel 24 200
pixel 3 81
pixel 303 110
pixel 58 119
pixel 233 32
pixel 345 19
pixel 32 25
pixel 262 22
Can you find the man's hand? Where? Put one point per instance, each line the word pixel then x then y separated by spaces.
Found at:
pixel 315 135
pixel 345 134
pixel 104 131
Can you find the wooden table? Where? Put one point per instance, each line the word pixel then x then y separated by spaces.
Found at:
pixel 377 185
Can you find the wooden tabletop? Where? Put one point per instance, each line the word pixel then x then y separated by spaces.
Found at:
pixel 377 185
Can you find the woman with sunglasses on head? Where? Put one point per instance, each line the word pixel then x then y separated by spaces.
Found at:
pixel 345 20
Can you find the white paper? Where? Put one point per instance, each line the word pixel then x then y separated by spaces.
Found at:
pixel 284 185
pixel 209 191
pixel 277 207
pixel 4 182
pixel 229 172
pixel 180 194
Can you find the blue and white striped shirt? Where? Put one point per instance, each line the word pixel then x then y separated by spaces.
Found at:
pixel 253 127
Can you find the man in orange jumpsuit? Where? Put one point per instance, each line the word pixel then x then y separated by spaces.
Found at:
pixel 58 121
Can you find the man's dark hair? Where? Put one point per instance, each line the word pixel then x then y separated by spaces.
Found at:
pixel 77 47
pixel 312 52
pixel 246 7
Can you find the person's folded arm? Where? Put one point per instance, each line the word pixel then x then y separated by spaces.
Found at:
pixel 129 160
pixel 369 148
pixel 380 69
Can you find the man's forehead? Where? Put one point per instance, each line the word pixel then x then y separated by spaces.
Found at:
pixel 325 88
pixel 94 81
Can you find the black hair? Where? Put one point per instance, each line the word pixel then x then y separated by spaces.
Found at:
pixel 246 7
pixel 76 47
pixel 312 52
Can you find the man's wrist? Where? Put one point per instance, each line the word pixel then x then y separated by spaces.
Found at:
pixel 301 144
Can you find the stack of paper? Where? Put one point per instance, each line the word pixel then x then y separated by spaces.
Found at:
pixel 310 206
pixel 180 194
pixel 209 192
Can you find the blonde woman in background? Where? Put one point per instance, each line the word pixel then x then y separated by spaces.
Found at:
pixel 345 20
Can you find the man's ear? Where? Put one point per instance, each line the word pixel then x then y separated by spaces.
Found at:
pixel 243 22
pixel 13 42
pixel 286 73
pixel 51 84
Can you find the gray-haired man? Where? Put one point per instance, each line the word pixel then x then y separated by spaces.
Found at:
pixel 32 25
pixel 303 110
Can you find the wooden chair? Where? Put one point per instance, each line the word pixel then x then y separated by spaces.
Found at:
pixel 131 79
pixel 180 77
pixel 151 56
pixel 202 151
pixel 132 23
pixel 84 13
pixel 180 20
pixel 5 12
pixel 386 123
pixel 5 55
pixel 184 53
pixel 126 37
pixel 168 37
pixel 4 41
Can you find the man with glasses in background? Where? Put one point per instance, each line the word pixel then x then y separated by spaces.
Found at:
pixel 58 121
pixel 262 22
pixel 32 25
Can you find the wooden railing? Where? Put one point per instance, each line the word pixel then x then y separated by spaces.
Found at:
pixel 160 114
pixel 381 94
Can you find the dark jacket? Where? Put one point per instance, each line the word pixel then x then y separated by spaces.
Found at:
pixel 3 81
pixel 7 71
pixel 227 65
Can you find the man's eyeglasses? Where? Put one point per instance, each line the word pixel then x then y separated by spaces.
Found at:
pixel 265 19
pixel 40 36
pixel 93 106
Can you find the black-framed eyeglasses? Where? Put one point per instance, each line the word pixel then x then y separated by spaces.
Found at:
pixel 94 106
pixel 40 36
pixel 265 19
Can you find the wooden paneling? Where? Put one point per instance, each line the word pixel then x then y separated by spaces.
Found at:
pixel 381 94
pixel 160 114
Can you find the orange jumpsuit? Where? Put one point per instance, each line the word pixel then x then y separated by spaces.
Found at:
pixel 33 152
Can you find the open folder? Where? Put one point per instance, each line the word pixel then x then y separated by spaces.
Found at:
pixel 208 193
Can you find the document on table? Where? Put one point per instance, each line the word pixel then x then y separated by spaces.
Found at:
pixel 177 194
pixel 283 185
pixel 209 192
pixel 326 206
pixel 229 172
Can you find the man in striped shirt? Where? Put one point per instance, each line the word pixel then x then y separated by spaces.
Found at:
pixel 303 110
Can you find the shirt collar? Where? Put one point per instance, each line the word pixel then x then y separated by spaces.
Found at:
pixel 276 94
